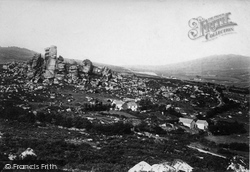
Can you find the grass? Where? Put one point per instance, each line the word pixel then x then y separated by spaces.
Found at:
pixel 120 113
pixel 228 139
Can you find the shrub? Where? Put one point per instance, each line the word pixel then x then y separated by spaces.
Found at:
pixel 113 129
pixel 235 146
pixel 226 128
pixel 239 147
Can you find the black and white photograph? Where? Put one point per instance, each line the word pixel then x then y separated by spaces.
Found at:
pixel 124 85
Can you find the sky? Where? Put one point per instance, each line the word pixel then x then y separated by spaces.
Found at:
pixel 122 32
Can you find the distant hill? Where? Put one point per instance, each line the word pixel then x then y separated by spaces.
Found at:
pixel 225 69
pixel 9 54
pixel 211 63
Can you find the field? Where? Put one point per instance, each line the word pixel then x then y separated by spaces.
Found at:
pixel 236 77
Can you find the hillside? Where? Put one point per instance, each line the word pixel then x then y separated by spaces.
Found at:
pixel 9 54
pixel 225 69
pixel 96 123
pixel 211 63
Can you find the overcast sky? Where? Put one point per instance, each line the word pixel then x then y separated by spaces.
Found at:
pixel 122 32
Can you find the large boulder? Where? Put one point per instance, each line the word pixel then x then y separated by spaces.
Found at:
pixel 50 62
pixel 27 152
pixel 163 167
pixel 238 164
pixel 86 66
pixel 97 71
pixel 35 67
pixel 60 69
pixel 141 166
pixel 73 74
pixel 180 165
pixel 50 51
pixel 50 67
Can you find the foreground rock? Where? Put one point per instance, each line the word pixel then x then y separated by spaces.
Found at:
pixel 238 164
pixel 175 166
